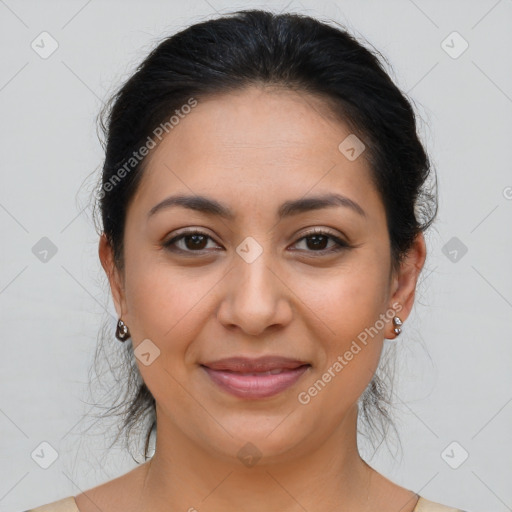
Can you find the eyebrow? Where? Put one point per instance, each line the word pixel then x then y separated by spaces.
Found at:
pixel 210 206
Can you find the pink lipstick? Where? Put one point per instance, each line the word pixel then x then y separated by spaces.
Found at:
pixel 255 378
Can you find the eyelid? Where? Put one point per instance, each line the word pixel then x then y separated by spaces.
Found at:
pixel 323 231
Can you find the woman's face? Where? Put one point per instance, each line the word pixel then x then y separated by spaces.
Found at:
pixel 252 285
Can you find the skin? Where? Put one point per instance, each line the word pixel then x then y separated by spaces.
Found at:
pixel 253 150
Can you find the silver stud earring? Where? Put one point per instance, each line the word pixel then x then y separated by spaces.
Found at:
pixel 397 322
pixel 122 333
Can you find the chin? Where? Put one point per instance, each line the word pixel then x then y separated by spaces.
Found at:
pixel 260 442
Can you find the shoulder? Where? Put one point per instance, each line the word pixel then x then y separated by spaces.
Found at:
pixel 67 504
pixel 425 505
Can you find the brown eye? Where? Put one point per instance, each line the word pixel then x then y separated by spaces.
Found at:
pixel 317 240
pixel 193 241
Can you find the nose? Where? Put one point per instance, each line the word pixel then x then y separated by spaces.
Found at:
pixel 255 296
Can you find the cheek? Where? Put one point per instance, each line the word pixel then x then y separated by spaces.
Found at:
pixel 166 303
pixel 166 308
pixel 347 300
pixel 350 305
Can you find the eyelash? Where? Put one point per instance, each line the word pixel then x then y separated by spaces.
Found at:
pixel 340 244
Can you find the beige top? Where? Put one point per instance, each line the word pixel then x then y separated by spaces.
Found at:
pixel 69 505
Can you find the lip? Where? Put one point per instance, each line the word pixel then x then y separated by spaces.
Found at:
pixel 259 364
pixel 250 378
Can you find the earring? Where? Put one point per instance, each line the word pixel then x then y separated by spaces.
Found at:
pixel 122 333
pixel 397 322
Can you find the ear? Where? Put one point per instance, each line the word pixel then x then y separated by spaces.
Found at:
pixel 403 282
pixel 116 282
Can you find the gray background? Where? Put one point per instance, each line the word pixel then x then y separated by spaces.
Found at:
pixel 455 353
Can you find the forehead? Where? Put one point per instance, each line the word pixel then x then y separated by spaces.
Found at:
pixel 259 144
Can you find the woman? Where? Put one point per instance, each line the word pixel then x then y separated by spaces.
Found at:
pixel 260 200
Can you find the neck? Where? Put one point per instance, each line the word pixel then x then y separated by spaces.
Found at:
pixel 184 476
